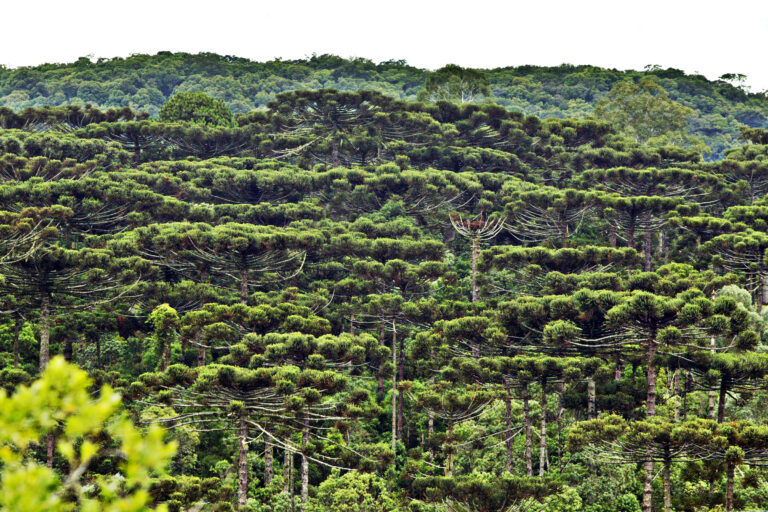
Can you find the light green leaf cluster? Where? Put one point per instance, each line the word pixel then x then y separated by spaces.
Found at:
pixel 59 403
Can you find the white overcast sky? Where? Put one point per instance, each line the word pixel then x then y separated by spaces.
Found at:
pixel 706 36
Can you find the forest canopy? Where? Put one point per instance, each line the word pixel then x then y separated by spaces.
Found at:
pixel 247 290
pixel 146 82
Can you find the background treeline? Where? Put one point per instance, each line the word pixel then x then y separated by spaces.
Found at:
pixel 351 302
pixel 145 83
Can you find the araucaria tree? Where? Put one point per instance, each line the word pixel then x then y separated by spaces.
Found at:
pixel 357 287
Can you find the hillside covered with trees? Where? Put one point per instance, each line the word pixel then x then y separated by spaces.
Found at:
pixel 350 301
pixel 146 82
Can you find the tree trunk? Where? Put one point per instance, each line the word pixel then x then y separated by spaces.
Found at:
pixel 45 331
pixel 647 505
pixel 400 393
pixel 591 399
pixel 762 284
pixel 287 462
pixel 647 248
pixel 650 401
pixel 722 398
pixel 269 457
pixel 242 466
pixel 335 150
pixel 613 240
pixel 563 233
pixel 352 325
pixel 68 349
pixel 449 448
pixel 16 329
pixel 618 370
pixel 380 371
pixel 431 433
pixel 527 422
pixel 676 391
pixel 184 344
pixel 98 351
pixel 394 388
pixel 244 286
pixel 667 484
pixel 292 484
pixel 712 392
pixel 304 464
pixel 729 487
pixel 200 355
pixel 50 443
pixel 508 432
pixel 166 355
pixel 559 421
pixel 474 269
pixel 543 434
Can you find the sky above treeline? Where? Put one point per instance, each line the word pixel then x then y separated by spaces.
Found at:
pixel 707 37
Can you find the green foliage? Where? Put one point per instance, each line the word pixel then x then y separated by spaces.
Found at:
pixel 349 300
pixel 198 108
pixel 60 401
pixel 353 492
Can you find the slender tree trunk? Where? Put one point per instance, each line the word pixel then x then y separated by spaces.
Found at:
pixel 352 325
pixel 380 371
pixel 650 401
pixel 508 432
pixel 431 433
pixel 722 398
pixel 98 351
pixel 335 150
pixel 45 331
pixel 287 463
pixel 242 466
pixel 475 247
pixel 292 484
pixel 200 355
pixel 676 391
pixel 449 448
pixel 528 441
pixel 269 461
pixel 400 393
pixel 647 505
pixel 667 484
pixel 612 238
pixel 591 398
pixel 631 233
pixel 543 435
pixel 559 421
pixel 684 412
pixel 394 388
pixel 16 329
pixel 712 392
pixel 763 287
pixel 50 443
pixel 647 246
pixel 563 233
pixel 729 487
pixel 166 355
pixel 244 286
pixel 184 344
pixel 68 349
pixel 304 464
pixel 618 369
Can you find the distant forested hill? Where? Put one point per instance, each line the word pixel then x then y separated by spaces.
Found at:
pixel 145 82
